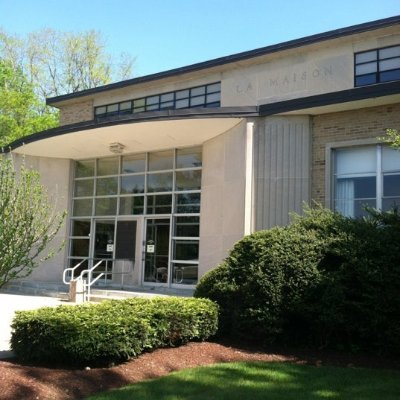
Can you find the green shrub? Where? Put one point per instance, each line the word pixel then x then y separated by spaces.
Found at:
pixel 111 331
pixel 324 280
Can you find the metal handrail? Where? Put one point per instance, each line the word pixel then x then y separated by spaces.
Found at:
pixel 72 270
pixel 87 275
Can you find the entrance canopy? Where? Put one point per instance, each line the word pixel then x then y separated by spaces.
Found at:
pixel 123 135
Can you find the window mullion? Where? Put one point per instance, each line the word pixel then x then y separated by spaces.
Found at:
pixel 379 178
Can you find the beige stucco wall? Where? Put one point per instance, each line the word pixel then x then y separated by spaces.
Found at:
pixel 306 71
pixel 351 127
pixel 55 176
pixel 222 196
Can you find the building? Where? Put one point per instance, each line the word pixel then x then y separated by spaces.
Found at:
pixel 162 174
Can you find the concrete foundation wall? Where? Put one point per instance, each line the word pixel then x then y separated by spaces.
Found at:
pixel 222 196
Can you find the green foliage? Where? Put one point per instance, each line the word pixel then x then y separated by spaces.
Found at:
pixel 27 221
pixel 111 331
pixel 324 280
pixel 20 111
pixel 392 138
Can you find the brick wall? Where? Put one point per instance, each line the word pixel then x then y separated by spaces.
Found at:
pixel 76 112
pixel 367 123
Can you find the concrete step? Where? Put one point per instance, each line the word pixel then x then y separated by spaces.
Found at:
pixel 48 289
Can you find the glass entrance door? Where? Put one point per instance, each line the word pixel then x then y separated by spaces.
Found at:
pixel 103 247
pixel 156 265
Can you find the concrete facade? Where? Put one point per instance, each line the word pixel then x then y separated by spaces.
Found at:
pixel 267 147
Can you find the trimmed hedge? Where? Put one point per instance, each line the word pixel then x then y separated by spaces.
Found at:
pixel 325 280
pixel 111 331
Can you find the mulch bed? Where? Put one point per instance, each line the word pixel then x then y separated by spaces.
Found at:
pixel 26 382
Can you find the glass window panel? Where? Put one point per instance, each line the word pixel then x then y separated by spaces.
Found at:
pixel 198 91
pixel 153 107
pixel 139 103
pixel 84 188
pixel 182 103
pixel 366 68
pixel 355 161
pixel 366 56
pixel 106 206
pixel 107 166
pixel 188 180
pixel 161 160
pixel 215 87
pixel 366 80
pixel 390 159
pixel 186 250
pixel 388 204
pixel 187 226
pixel 360 205
pixel 132 205
pixel 391 185
pixel 167 97
pixel 185 274
pixel 364 187
pixel 134 163
pixel 106 186
pixel 159 204
pixel 189 157
pixel 79 247
pixel 81 228
pixel 389 52
pixel 132 184
pixel 188 203
pixel 84 169
pixel 389 64
pixel 100 110
pixel 389 75
pixel 82 207
pixel 167 105
pixel 139 109
pixel 212 98
pixel 197 101
pixel 112 108
pixel 152 100
pixel 126 105
pixel 75 261
pixel 161 182
pixel 182 94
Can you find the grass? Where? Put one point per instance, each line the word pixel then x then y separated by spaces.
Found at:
pixel 265 380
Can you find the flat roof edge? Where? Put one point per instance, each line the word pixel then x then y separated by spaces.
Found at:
pixel 221 112
pixel 333 34
pixel 342 96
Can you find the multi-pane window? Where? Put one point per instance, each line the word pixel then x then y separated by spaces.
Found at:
pixel 150 184
pixel 200 96
pixel 377 66
pixel 366 177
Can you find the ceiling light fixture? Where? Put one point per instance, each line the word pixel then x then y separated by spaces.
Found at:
pixel 116 148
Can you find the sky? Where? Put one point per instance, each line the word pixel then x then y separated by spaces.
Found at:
pixel 166 34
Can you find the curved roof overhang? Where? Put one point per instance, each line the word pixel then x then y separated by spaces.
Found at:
pixel 150 131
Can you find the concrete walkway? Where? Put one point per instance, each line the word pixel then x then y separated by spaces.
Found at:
pixel 9 303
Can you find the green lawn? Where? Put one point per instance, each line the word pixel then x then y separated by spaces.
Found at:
pixel 265 380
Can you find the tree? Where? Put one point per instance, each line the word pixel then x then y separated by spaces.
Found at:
pixel 392 138
pixel 28 221
pixel 21 112
pixel 63 62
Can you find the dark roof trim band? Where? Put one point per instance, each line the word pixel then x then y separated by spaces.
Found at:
pixel 343 96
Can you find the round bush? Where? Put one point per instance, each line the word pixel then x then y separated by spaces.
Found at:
pixel 324 280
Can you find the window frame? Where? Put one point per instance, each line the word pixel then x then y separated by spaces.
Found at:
pixel 377 61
